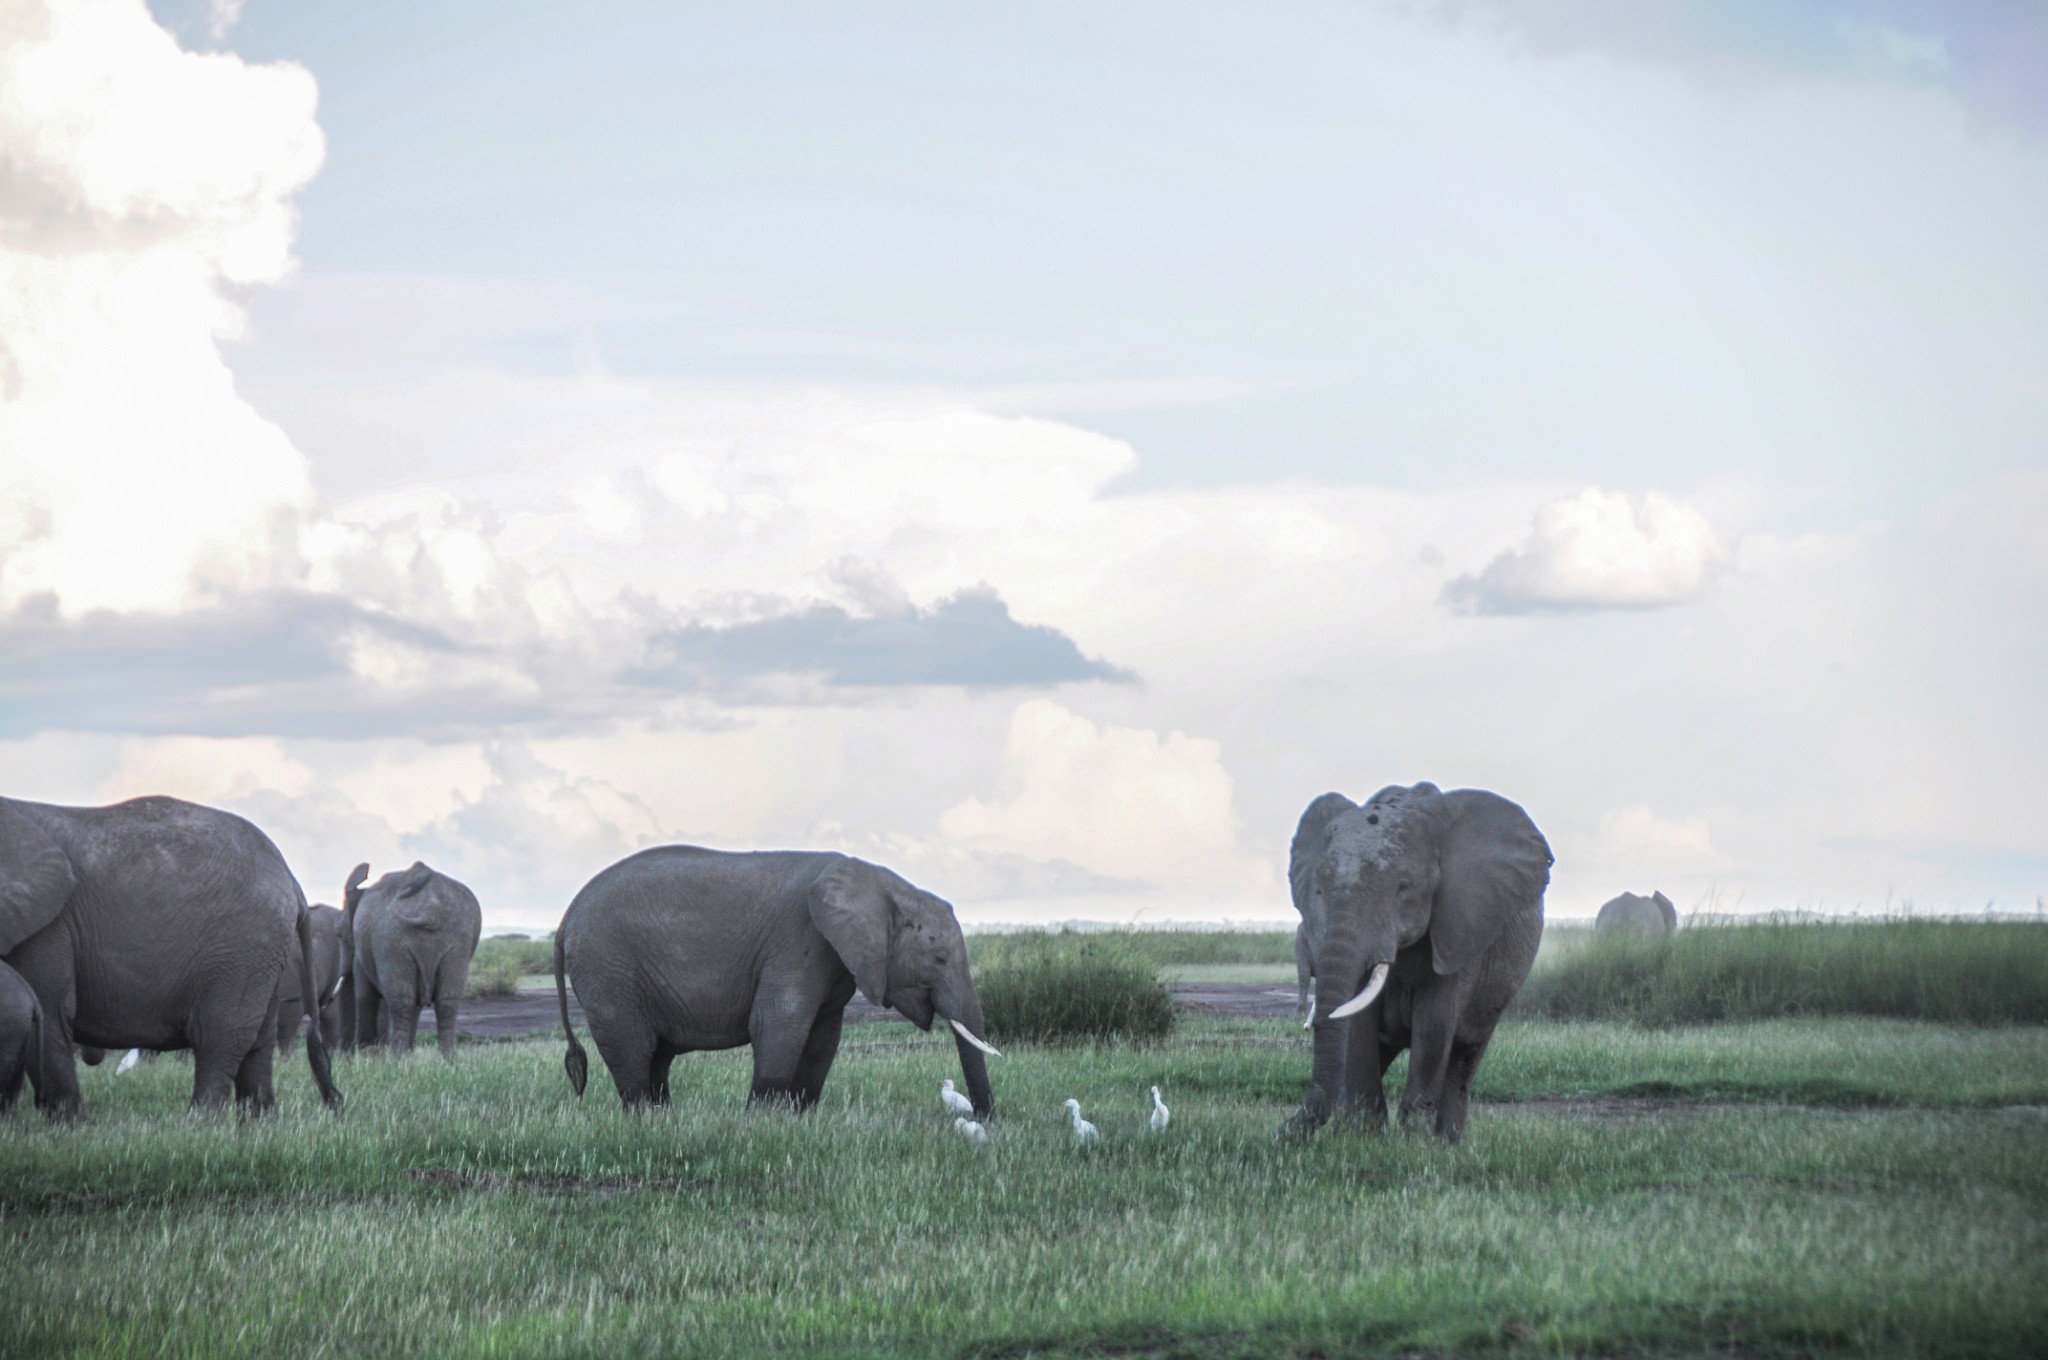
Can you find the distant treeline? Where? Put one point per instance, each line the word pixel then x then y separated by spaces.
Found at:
pixel 1962 972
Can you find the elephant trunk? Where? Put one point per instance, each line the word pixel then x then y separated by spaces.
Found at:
pixel 961 1008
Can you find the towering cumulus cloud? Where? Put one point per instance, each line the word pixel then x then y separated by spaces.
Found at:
pixel 1597 550
pixel 142 187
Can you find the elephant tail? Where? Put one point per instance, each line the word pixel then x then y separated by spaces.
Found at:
pixel 316 1047
pixel 576 1062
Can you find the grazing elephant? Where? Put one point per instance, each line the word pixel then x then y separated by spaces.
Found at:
pixel 409 938
pixel 1652 915
pixel 1423 910
pixel 678 949
pixel 157 924
pixel 21 1036
pixel 329 975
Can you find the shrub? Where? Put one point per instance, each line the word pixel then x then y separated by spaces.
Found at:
pixel 1965 972
pixel 501 960
pixel 1068 987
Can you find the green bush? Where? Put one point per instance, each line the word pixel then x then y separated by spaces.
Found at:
pixel 501 960
pixel 1067 987
pixel 1961 972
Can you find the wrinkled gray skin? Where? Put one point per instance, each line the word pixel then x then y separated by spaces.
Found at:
pixel 679 949
pixel 1447 888
pixel 21 1036
pixel 155 924
pixel 409 937
pixel 325 925
pixel 1652 915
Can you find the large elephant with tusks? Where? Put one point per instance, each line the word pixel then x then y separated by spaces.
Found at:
pixel 154 924
pixel 678 949
pixel 1422 911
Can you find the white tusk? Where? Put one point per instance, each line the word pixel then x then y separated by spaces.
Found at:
pixel 968 1035
pixel 1364 998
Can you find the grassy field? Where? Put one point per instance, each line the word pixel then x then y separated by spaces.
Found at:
pixel 1778 1188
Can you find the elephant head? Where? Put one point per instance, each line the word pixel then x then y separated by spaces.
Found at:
pixel 905 950
pixel 1407 865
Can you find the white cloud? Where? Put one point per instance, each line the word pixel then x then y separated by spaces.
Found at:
pixel 138 185
pixel 1121 802
pixel 1597 550
pixel 1638 840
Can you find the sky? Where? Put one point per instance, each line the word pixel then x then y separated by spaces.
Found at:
pixel 1037 448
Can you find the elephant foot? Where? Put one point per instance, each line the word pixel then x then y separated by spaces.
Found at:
pixel 1420 1119
pixel 1301 1126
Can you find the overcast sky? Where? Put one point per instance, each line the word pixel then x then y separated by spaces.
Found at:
pixel 1039 448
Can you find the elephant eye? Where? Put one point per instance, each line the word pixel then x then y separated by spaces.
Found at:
pixel 1372 819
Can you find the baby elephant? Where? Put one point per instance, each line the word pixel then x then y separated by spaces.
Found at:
pixel 21 1036
pixel 408 939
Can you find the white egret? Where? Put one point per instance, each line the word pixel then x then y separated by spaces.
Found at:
pixel 954 1102
pixel 971 1131
pixel 1084 1132
pixel 134 1057
pixel 1161 1116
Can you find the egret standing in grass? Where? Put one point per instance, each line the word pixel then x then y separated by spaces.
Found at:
pixel 954 1102
pixel 968 1129
pixel 128 1063
pixel 1161 1116
pixel 1084 1132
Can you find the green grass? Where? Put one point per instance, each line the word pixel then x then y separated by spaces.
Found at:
pixel 1793 1187
pixel 1970 972
pixel 1066 987
pixel 502 961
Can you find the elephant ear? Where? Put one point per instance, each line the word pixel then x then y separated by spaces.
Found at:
pixel 1310 836
pixel 35 878
pixel 853 913
pixel 1664 907
pixel 417 877
pixel 352 891
pixel 1495 865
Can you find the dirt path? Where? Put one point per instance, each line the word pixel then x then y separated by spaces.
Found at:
pixel 511 1017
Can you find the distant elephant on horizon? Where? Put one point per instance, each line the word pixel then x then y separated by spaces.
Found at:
pixel 680 949
pixel 407 940
pixel 1652 915
pixel 1422 911
pixel 153 923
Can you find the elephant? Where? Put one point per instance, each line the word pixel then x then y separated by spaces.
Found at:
pixel 1652 915
pixel 329 976
pixel 408 938
pixel 679 948
pixel 153 923
pixel 21 1036
pixel 1423 910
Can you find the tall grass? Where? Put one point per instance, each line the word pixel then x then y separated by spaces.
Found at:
pixel 501 960
pixel 1965 972
pixel 1170 946
pixel 1068 986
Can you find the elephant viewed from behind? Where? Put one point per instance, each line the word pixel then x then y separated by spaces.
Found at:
pixel 330 974
pixel 157 924
pixel 408 939
pixel 1652 915
pixel 679 949
pixel 1422 911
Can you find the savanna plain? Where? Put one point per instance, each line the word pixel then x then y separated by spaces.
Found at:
pixel 1823 1140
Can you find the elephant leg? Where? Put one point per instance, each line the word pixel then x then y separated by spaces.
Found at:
pixel 330 1026
pixel 255 1091
pixel 627 1047
pixel 1450 1113
pixel 1364 1101
pixel 369 1014
pixel 778 1052
pixel 816 1063
pixel 657 1072
pixel 1429 1054
pixel 447 1000
pixel 46 964
pixel 401 1020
